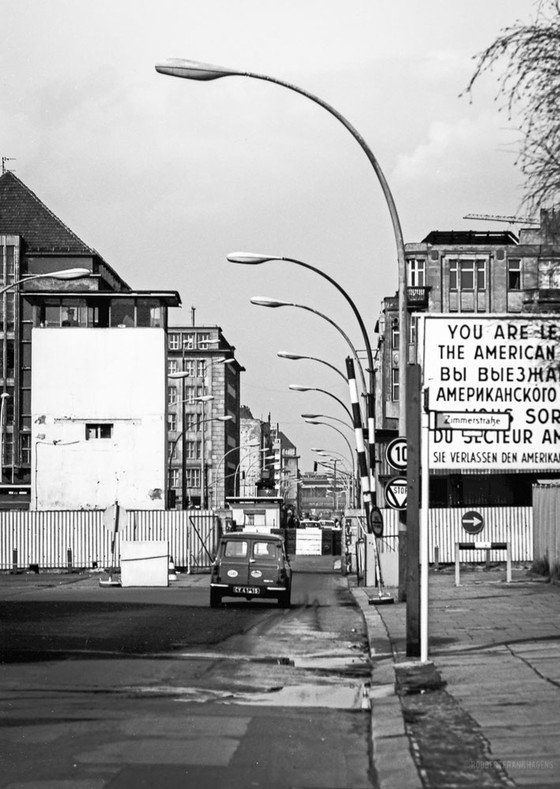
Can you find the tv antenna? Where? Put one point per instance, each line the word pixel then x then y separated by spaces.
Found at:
pixel 4 160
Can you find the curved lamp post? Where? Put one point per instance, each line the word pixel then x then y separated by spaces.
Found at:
pixel 265 301
pixel 193 70
pixel 221 460
pixel 300 388
pixel 295 356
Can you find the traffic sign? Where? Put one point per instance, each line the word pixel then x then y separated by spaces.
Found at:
pixel 473 420
pixel 376 522
pixel 472 522
pixel 396 493
pixel 396 453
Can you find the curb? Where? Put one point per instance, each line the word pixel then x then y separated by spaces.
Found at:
pixel 392 759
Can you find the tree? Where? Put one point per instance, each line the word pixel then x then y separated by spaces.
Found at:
pixel 530 84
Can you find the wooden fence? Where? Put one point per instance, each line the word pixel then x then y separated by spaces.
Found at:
pixel 79 540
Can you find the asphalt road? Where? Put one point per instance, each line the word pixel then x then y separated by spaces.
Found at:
pixel 152 688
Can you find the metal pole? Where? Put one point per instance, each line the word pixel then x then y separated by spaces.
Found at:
pixel 184 435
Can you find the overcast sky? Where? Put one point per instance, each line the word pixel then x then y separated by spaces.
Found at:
pixel 164 177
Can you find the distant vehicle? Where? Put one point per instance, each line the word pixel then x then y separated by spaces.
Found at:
pixel 251 565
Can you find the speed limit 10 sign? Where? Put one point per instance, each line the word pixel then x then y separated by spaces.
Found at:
pixel 396 453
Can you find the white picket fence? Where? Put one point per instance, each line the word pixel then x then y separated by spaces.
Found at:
pixel 79 540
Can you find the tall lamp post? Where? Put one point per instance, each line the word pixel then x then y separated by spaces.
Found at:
pixel 203 72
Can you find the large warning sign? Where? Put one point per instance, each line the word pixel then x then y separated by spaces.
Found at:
pixel 499 377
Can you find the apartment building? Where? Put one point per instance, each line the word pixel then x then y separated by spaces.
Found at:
pixel 473 273
pixel 203 429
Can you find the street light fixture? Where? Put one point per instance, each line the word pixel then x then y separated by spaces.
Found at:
pixel 296 356
pixel 299 388
pixel 69 273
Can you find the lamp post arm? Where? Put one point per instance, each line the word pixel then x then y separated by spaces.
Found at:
pixel 348 298
pixel 343 334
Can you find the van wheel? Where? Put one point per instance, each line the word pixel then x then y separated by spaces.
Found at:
pixel 215 598
pixel 284 600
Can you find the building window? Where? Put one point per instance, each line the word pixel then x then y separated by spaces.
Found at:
pixel 172 422
pixel 171 394
pixel 412 329
pixel 174 478
pixel 193 391
pixel 514 274
pixel 200 368
pixel 203 340
pixel 395 334
pixel 122 313
pixel 149 313
pixel 395 384
pixel 172 366
pixel 416 273
pixel 193 450
pixel 95 430
pixel 549 274
pixel 467 275
pixel 174 342
pixel 188 342
pixel 190 367
pixel 192 422
pixel 193 478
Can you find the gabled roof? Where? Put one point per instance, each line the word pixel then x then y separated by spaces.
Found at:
pixel 23 214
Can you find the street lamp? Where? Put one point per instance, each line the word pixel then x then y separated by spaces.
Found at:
pixel 326 416
pixel 265 301
pixel 255 460
pixel 221 460
pixel 193 70
pixel 295 356
pixel 69 273
pixel 351 451
pixel 299 388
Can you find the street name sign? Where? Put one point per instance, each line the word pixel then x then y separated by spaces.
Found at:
pixel 396 453
pixel 485 366
pixel 471 420
pixel 396 493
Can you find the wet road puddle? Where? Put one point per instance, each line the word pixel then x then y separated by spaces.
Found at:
pixel 328 680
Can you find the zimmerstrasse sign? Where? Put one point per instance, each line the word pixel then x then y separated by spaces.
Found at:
pixel 494 388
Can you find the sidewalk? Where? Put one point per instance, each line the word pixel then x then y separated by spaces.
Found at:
pixel 484 711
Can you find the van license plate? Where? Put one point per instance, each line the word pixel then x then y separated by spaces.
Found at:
pixel 246 590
